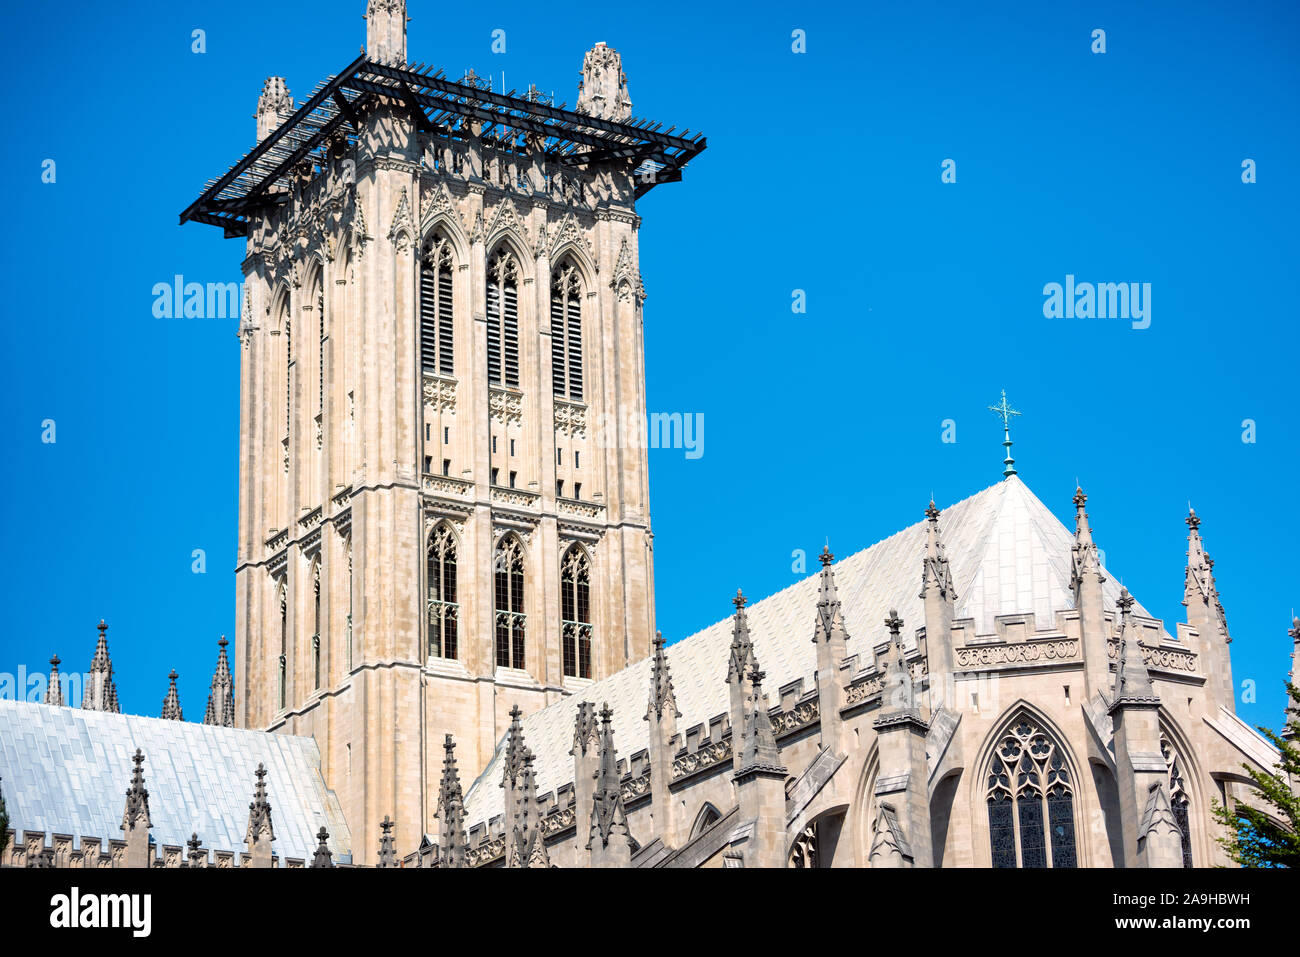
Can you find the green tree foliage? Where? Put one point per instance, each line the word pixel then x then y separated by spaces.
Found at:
pixel 1256 838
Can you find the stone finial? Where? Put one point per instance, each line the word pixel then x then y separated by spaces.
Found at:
pixel 661 684
pixel 1199 587
pixel 322 857
pixel 100 693
pixel 171 709
pixel 274 106
pixel 1132 680
pixel 451 809
pixel 758 748
pixel 936 574
pixel 1085 562
pixel 603 89
pixel 608 817
pixel 221 699
pixel 197 856
pixel 586 728
pixel 136 813
pixel 829 630
pixel 897 684
pixel 528 847
pixel 387 849
pixel 742 659
pixel 386 31
pixel 260 828
pixel 54 690
pixel 515 749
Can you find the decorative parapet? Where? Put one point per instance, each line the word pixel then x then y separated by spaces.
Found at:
pixel 635 787
pixel 863 689
pixel 30 849
pixel 486 852
pixel 447 486
pixel 801 716
pixel 277 540
pixel 1159 657
pixel 516 497
pixel 997 656
pixel 570 506
pixel 708 756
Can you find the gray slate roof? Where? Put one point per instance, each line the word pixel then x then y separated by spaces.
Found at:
pixel 1009 555
pixel 66 771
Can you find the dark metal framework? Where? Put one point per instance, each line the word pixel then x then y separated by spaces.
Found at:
pixel 439 106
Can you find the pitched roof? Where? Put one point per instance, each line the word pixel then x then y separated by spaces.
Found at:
pixel 65 771
pixel 1009 555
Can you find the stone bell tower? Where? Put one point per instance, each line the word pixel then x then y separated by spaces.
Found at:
pixel 444 496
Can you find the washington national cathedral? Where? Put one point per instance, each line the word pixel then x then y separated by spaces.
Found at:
pixel 445 651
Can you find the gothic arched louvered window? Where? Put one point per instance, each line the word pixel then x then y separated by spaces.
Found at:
pixel 575 613
pixel 286 327
pixel 315 638
pixel 444 612
pixel 282 692
pixel 566 332
pixel 508 579
pixel 1030 800
pixel 436 329
pixel 503 318
pixel 1179 802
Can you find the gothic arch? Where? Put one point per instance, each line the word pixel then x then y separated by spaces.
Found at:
pixel 510 603
pixel 577 627
pixel 705 818
pixel 448 224
pixel 509 238
pixel 442 554
pixel 1186 759
pixel 281 297
pixel 1053 770
pixel 816 842
pixel 861 808
pixel 574 251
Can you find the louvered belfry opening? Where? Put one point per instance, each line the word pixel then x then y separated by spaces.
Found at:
pixel 436 328
pixel 503 319
pixel 566 332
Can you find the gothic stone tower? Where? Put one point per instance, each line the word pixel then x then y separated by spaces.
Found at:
pixel 443 494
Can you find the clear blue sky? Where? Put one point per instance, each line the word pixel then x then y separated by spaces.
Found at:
pixel 822 174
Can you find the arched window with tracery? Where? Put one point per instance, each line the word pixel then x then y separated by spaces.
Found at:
pixel 1179 801
pixel 511 622
pixel 444 611
pixel 503 318
pixel 705 819
pixel 575 613
pixel 566 332
pixel 1030 799
pixel 436 328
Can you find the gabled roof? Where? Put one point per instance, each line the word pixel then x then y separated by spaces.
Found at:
pixel 65 771
pixel 1009 555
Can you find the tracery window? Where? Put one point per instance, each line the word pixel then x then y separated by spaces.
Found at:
pixel 1179 802
pixel 575 613
pixel 1030 800
pixel 444 611
pixel 566 332
pixel 708 816
pixel 511 622
pixel 436 328
pixel 503 318
pixel 803 853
